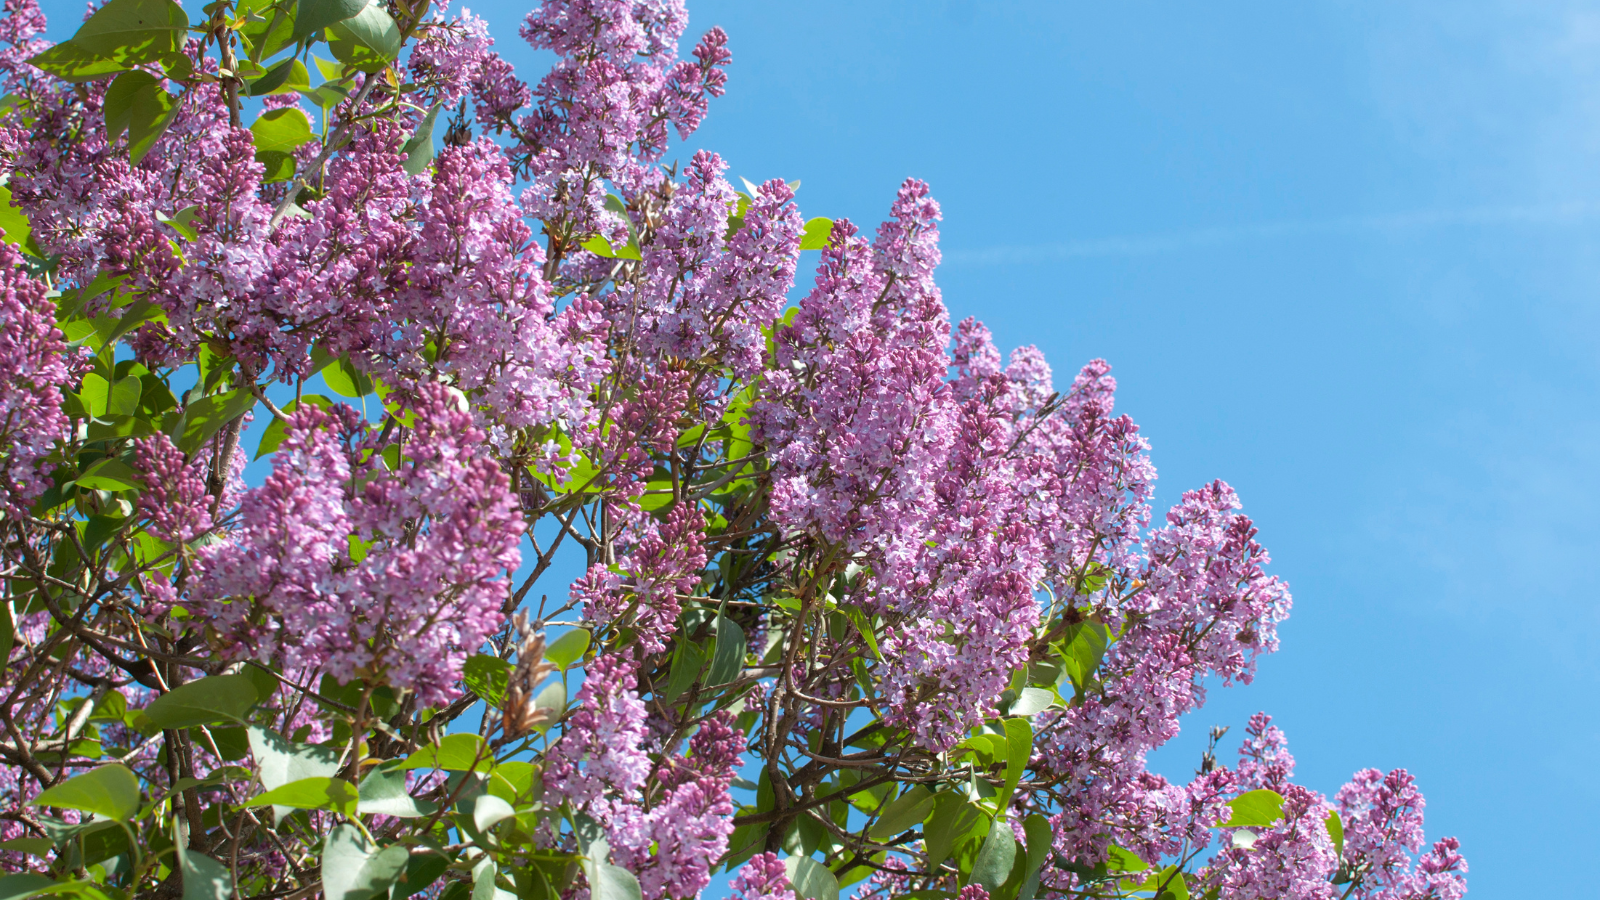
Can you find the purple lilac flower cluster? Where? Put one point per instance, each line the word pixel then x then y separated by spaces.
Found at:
pixel 844 537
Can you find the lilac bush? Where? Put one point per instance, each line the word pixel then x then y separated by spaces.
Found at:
pixel 862 605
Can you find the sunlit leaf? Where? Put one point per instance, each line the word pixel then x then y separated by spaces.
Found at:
pixel 568 648
pixel 995 858
pixel 1256 808
pixel 334 794
pixel 215 698
pixel 383 792
pixel 815 237
pixel 289 75
pixel 811 879
pixel 281 130
pixel 134 31
pixel 487 676
pixel 136 103
pixel 312 16
pixel 453 753
pixel 111 791
pixel 419 149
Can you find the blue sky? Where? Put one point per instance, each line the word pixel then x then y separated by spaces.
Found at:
pixel 1344 256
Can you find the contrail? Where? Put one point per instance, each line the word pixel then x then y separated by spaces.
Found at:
pixel 1558 213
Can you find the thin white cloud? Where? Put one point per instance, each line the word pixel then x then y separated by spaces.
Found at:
pixel 1143 245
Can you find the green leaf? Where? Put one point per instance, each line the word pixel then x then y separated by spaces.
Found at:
pixel 1255 809
pixel 25 884
pixel 110 328
pixel 811 879
pixel 1171 884
pixel 204 417
pixel 1019 746
pixel 120 97
pixel 215 698
pixel 422 870
pixel 330 71
pixel 487 676
pixel 281 130
pixel 354 869
pixel 687 661
pixel 998 854
pixel 486 811
pixel 18 231
pixel 367 40
pixel 1120 860
pixel 953 817
pixel 1336 832
pixel 182 222
pixel 816 234
pixel 484 886
pixel 907 811
pixel 72 62
pixel 313 793
pixel 279 167
pixel 1032 701
pixel 599 246
pixel 344 379
pixel 1083 649
pixel 1040 836
pixel 282 762
pixel 327 96
pixel 112 791
pixel 233 743
pixel 454 753
pixel 110 474
pixel 419 149
pixel 269 32
pixel 272 436
pixel 95 394
pixel 289 75
pixel 863 622
pixel 608 882
pixel 134 31
pixel 180 68
pixel 136 103
pixel 203 877
pixel 553 697
pixel 383 792
pixel 33 846
pixel 311 16
pixel 124 399
pixel 727 660
pixel 567 649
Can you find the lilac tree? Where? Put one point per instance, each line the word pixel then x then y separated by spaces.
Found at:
pixel 864 605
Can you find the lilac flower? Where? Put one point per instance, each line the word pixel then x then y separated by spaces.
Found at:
pixel 1264 758
pixel 1205 577
pixel 602 752
pixel 1293 860
pixel 762 878
pixel 1440 875
pixel 397 573
pixel 903 479
pixel 1382 817
pixel 174 499
pixel 20 37
pixel 34 364
pixel 474 304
